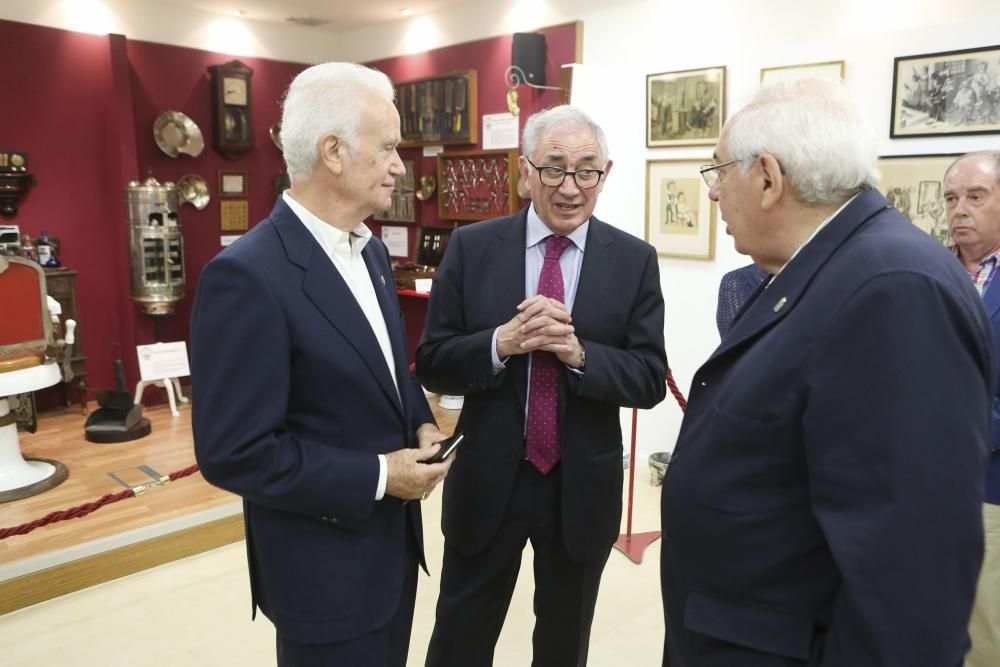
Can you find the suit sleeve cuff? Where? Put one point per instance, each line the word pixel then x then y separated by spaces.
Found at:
pixel 383 473
pixel 497 364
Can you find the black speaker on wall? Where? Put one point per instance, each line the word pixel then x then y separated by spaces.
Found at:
pixel 527 51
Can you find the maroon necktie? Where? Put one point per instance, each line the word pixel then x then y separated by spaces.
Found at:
pixel 542 437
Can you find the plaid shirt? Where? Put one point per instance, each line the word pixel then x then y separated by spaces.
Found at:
pixel 983 276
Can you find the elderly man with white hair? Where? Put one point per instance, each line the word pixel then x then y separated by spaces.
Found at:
pixel 824 502
pixel 306 406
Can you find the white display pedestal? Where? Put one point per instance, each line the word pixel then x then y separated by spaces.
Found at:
pixel 15 473
pixel 172 385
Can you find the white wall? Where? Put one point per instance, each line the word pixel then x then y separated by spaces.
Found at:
pixel 622 47
pixel 623 42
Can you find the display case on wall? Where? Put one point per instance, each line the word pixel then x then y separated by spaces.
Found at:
pixel 439 110
pixel 477 185
pixel 404 198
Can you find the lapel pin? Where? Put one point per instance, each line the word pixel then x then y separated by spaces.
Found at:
pixel 383 279
pixel 781 302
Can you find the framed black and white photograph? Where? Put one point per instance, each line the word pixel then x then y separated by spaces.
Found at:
pixel 232 184
pixel 685 108
pixel 946 94
pixel 833 69
pixel 680 218
pixel 913 184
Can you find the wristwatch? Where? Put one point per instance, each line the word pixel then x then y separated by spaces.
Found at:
pixel 583 358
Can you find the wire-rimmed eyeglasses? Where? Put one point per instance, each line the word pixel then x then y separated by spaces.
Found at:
pixel 554 176
pixel 711 173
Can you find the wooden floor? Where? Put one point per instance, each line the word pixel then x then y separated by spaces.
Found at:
pixel 167 449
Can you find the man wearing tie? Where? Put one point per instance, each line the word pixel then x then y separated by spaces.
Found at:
pixel 306 406
pixel 548 321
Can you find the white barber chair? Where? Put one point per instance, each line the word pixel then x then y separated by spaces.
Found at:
pixel 27 363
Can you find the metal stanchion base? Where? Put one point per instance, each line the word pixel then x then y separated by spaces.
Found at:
pixel 633 545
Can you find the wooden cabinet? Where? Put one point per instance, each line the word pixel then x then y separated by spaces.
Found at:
pixel 61 286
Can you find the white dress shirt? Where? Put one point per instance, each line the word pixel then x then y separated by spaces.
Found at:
pixel 344 250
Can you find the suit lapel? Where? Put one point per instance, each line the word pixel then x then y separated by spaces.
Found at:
pixel 991 297
pixel 326 289
pixel 772 304
pixel 598 259
pixel 381 277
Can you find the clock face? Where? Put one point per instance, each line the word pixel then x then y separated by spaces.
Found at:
pixel 234 91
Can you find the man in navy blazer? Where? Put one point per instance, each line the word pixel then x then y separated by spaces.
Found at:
pixel 488 324
pixel 305 404
pixel 972 202
pixel 823 506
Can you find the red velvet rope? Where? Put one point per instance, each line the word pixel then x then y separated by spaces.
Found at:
pixel 87 508
pixel 681 401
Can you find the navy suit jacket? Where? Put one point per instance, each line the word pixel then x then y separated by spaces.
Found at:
pixel 294 402
pixel 991 299
pixel 823 505
pixel 618 315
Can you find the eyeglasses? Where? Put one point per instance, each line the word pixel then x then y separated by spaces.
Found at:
pixel 711 172
pixel 554 176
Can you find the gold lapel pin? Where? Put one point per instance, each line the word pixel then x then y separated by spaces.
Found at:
pixel 781 302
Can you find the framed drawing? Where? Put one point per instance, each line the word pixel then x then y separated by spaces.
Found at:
pixel 913 184
pixel 680 218
pixel 833 69
pixel 232 184
pixel 946 94
pixel 685 108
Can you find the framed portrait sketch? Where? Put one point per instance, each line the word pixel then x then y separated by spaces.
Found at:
pixel 914 185
pixel 828 70
pixel 680 218
pixel 945 94
pixel 685 108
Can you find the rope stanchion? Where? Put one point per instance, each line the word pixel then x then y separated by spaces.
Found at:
pixel 634 545
pixel 87 508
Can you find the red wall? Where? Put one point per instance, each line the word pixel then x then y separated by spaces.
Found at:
pixel 490 58
pixel 83 107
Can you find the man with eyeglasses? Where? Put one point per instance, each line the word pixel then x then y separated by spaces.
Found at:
pixel 823 504
pixel 548 321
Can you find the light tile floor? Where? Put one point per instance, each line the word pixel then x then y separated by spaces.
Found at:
pixel 195 612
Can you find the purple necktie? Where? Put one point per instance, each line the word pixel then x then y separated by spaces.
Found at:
pixel 542 437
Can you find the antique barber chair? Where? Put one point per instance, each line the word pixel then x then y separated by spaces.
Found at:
pixel 27 363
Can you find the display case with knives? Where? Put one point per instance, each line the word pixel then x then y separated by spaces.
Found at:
pixel 439 110
pixel 404 198
pixel 477 185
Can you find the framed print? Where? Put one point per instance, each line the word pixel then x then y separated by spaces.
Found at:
pixel 833 69
pixel 234 215
pixel 232 184
pixel 946 94
pixel 680 218
pixel 404 198
pixel 913 184
pixel 685 108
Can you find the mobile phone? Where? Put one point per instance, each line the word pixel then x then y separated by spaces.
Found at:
pixel 448 445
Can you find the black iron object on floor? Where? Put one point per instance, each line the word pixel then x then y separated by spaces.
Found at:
pixel 118 419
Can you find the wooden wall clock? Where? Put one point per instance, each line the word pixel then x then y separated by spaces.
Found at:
pixel 232 114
